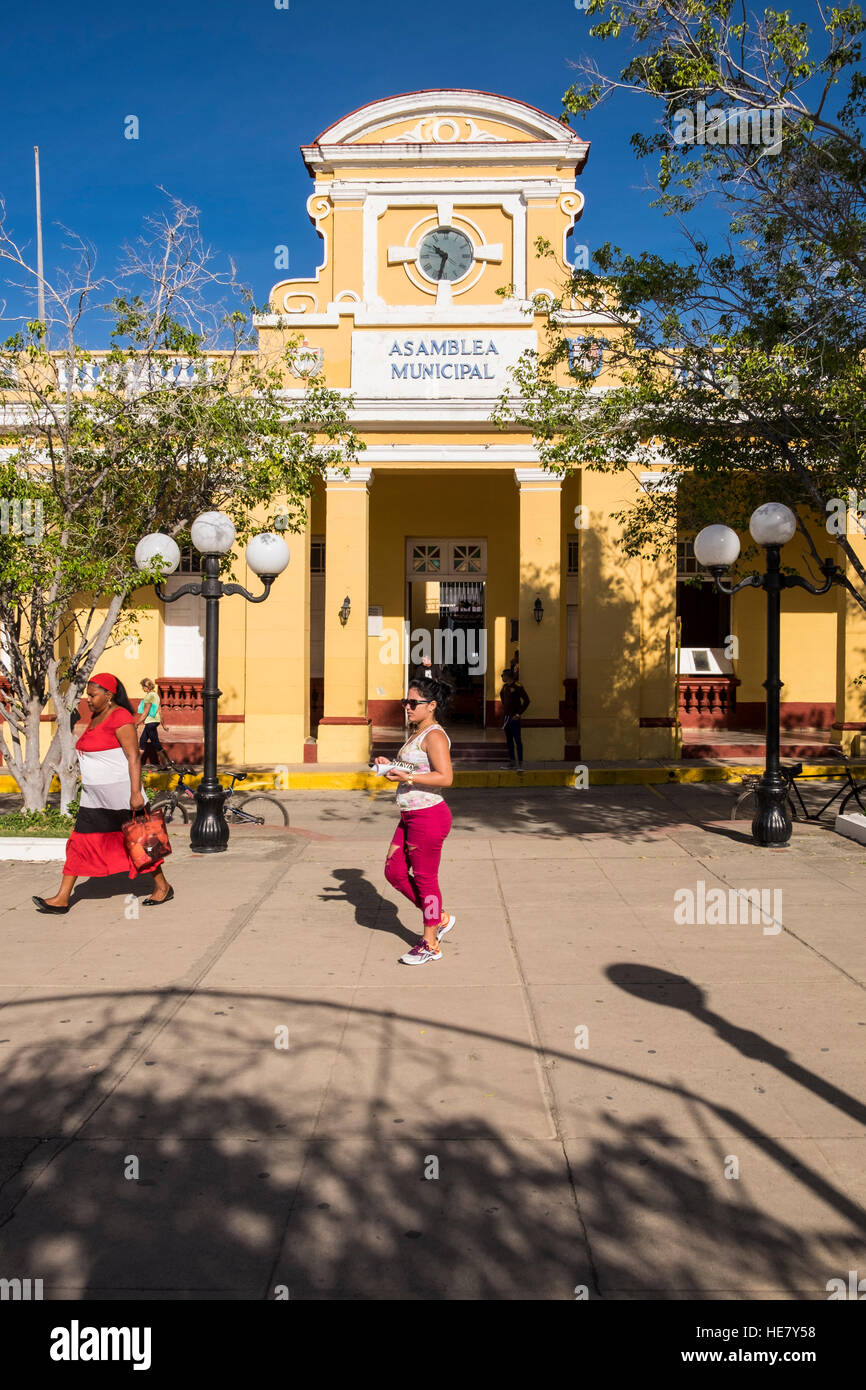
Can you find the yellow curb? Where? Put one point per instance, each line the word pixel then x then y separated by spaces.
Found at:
pixel 321 779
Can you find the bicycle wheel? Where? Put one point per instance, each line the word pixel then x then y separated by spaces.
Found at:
pixel 857 793
pixel 264 809
pixel 171 809
pixel 749 796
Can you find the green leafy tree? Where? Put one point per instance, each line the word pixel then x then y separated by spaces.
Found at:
pixel 738 367
pixel 179 415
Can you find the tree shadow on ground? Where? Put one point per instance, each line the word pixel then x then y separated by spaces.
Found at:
pixel 310 1171
pixel 633 814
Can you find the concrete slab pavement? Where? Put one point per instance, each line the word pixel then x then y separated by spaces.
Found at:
pixel 246 1090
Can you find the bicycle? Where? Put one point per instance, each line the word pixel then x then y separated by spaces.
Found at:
pixel 256 809
pixel 856 791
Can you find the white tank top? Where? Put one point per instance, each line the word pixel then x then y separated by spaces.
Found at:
pixel 417 798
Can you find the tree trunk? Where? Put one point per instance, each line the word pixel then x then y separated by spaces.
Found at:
pixel 27 771
pixel 68 786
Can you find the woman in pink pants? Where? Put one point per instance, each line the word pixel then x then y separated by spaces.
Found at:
pixel 424 816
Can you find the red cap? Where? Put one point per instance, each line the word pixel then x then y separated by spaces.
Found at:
pixel 107 682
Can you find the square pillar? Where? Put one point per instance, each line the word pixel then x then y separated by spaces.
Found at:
pixel 277 707
pixel 540 644
pixel 849 729
pixel 659 690
pixel 609 679
pixel 344 729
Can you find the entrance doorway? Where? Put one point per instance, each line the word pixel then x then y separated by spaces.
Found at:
pixel 445 615
pixel 446 623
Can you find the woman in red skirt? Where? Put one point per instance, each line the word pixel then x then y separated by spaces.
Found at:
pixel 111 790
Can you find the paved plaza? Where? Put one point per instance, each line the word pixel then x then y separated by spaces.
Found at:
pixel 243 1095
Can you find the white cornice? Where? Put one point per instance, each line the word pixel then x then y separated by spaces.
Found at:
pixel 509 455
pixel 350 189
pixel 538 478
pixel 326 158
pixel 509 314
pixel 438 415
pixel 362 476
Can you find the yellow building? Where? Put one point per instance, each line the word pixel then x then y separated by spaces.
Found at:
pixel 447 537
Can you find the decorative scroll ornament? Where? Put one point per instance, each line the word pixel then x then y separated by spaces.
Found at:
pixel 571 203
pixel 319 206
pixel 445 130
pixel 585 355
pixel 307 361
pixel 311 305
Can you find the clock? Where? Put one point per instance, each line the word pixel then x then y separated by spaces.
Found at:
pixel 445 254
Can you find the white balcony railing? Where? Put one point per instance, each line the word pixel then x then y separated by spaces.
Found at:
pixel 142 376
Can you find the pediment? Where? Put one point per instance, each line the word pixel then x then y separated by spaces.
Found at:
pixel 447 116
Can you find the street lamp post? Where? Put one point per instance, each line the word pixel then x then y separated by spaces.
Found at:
pixel 716 549
pixel 267 555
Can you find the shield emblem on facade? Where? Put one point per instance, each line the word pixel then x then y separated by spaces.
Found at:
pixel 307 360
pixel 585 355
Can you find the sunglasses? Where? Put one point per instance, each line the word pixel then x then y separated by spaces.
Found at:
pixel 413 704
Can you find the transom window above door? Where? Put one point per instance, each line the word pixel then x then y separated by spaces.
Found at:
pixel 443 559
pixel 426 559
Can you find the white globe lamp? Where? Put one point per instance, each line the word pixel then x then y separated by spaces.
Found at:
pixel 772 524
pixel 716 547
pixel 213 533
pixel 155 546
pixel 267 554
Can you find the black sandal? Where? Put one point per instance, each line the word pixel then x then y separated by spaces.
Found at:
pixel 48 907
pixel 158 902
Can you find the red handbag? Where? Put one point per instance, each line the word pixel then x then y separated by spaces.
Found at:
pixel 146 840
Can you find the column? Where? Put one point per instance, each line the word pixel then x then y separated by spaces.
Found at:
pixel 344 730
pixel 540 643
pixel 609 663
pixel 659 691
pixel 277 710
pixel 850 725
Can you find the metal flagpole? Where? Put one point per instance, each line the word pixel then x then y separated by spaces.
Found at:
pixel 39 268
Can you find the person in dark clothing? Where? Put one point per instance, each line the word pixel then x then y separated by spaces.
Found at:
pixel 428 670
pixel 514 701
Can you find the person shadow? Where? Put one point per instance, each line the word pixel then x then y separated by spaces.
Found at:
pixel 371 910
pixel 112 886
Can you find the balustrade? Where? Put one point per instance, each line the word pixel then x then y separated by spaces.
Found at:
pixel 142 376
pixel 707 702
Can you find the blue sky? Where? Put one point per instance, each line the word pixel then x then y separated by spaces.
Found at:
pixel 227 90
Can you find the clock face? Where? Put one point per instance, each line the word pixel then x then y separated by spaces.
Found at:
pixel 445 254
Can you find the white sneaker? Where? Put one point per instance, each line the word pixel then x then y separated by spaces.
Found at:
pixel 421 953
pixel 440 931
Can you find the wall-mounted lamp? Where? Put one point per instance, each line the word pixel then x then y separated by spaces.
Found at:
pixel 345 610
pixel 537 610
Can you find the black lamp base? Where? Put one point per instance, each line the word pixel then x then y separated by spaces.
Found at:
pixel 772 824
pixel 210 831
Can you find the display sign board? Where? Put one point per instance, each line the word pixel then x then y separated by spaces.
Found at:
pixel 432 363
